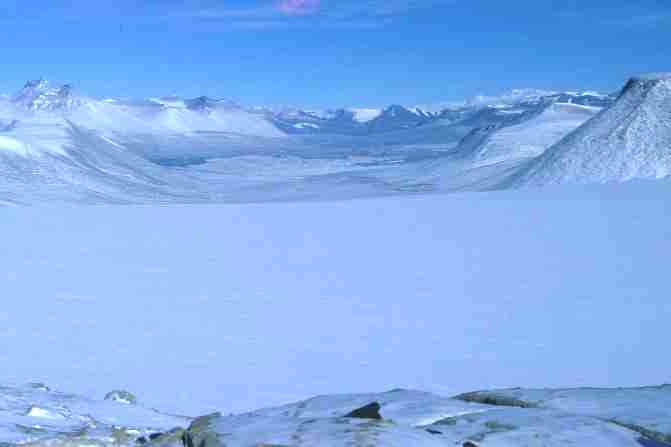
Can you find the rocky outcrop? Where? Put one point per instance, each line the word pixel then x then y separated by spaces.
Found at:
pixel 626 417
pixel 121 396
pixel 644 410
pixel 370 411
pixel 202 432
pixel 489 398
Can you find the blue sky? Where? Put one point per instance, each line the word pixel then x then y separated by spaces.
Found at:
pixel 328 53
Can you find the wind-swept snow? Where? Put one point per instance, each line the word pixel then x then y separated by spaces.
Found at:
pixel 365 115
pixel 247 306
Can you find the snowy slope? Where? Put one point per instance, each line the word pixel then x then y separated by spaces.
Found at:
pixel 59 146
pixel 631 139
pixel 38 100
pixel 528 139
pixel 365 115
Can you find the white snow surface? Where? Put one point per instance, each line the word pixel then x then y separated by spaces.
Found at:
pixel 198 308
pixel 41 103
pixel 363 115
pixel 531 138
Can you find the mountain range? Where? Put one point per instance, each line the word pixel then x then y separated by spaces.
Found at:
pixel 56 144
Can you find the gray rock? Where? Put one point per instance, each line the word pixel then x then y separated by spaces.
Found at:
pixel 492 398
pixel 121 396
pixel 200 432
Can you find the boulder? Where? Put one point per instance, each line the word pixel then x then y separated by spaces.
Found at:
pixel 370 411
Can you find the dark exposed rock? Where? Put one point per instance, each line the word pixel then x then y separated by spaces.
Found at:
pixel 651 438
pixel 470 444
pixel 646 442
pixel 39 386
pixel 200 434
pixel 172 438
pixel 491 398
pixel 121 396
pixel 434 432
pixel 370 411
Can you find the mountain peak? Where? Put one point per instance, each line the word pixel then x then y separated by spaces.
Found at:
pixel 40 84
pixel 40 95
pixel 628 140
pixel 206 103
pixel 653 77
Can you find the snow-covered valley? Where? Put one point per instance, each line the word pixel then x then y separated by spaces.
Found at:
pixel 232 307
pixel 59 146
pixel 352 271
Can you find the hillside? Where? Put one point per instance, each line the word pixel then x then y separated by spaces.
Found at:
pixel 631 139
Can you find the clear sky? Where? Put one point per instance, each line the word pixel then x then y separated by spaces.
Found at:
pixel 328 53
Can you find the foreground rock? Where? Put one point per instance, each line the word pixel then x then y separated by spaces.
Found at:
pixel 637 417
pixel 411 418
pixel 35 415
pixel 646 410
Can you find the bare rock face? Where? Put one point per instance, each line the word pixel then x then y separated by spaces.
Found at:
pixel 623 417
pixel 202 433
pixel 370 411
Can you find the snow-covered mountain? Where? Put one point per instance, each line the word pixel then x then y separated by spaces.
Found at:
pixel 56 144
pixel 351 121
pixel 523 132
pixel 631 139
pixel 39 95
pixel 40 101
pixel 394 118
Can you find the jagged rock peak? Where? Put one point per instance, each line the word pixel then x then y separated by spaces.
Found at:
pixel 41 95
